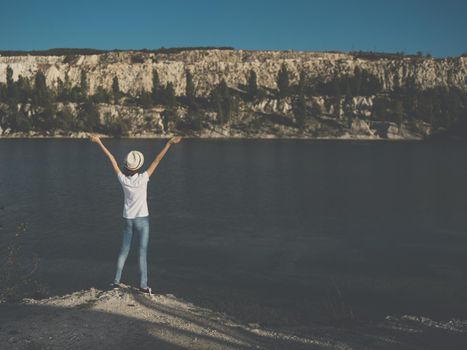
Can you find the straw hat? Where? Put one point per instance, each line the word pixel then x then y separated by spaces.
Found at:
pixel 134 160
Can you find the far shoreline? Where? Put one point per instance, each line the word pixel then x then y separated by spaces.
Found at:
pixel 224 138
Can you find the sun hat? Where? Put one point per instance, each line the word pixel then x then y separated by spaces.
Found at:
pixel 133 160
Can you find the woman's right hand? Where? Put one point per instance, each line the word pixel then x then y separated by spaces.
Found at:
pixel 94 138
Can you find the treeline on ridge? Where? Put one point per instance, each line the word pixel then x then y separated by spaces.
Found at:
pixel 88 51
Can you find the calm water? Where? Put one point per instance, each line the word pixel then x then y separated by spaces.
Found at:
pixel 269 231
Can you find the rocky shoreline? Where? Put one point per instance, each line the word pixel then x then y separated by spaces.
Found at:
pixel 77 136
pixel 126 319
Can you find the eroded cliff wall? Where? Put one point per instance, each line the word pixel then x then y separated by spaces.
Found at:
pixel 134 69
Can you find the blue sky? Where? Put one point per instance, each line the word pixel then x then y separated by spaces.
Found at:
pixel 438 27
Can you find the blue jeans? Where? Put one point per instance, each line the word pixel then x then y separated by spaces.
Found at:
pixel 141 226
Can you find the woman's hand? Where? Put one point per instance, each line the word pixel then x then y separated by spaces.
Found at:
pixel 162 153
pixel 94 138
pixel 175 139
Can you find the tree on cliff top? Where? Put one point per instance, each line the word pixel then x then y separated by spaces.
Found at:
pixel 283 83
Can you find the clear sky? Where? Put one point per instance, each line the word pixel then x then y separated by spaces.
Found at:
pixel 435 26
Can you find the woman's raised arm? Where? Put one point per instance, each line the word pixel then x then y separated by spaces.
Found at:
pixel 162 153
pixel 96 139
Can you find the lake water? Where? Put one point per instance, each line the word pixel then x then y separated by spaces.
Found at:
pixel 271 231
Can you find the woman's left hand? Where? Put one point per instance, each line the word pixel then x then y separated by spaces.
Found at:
pixel 175 139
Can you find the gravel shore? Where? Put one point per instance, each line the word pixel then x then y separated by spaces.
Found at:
pixel 126 319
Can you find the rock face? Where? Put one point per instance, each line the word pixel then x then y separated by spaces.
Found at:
pixel 264 117
pixel 134 69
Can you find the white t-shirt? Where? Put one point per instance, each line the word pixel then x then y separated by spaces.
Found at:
pixel 135 195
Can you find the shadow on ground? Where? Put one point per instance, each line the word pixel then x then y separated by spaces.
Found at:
pixel 126 319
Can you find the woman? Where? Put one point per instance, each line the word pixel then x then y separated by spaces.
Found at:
pixel 135 209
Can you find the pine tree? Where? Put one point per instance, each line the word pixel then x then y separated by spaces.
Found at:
pixel 115 89
pixel 371 85
pixel 2 92
pixel 301 82
pixel 357 81
pixel 283 81
pixel 156 87
pixel 337 107
pixel 316 109
pixel 89 118
pixel 60 89
pixel 101 95
pixel 42 96
pixel 44 119
pixel 380 108
pixel 145 99
pixel 11 89
pixel 196 119
pixel 190 89
pixel 65 119
pixel 398 113
pixel 337 93
pixel 67 87
pixel 23 89
pixel 252 91
pixel 193 108
pixel 18 121
pixel 83 84
pixel 300 110
pixel 169 95
pixel 397 82
pixel 336 86
pixel 223 102
pixel 346 87
pixel 348 109
pixel 9 81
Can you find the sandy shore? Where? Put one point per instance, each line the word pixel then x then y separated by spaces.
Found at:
pixel 127 319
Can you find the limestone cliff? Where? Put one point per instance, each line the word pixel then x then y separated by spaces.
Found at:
pixel 267 115
pixel 134 69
